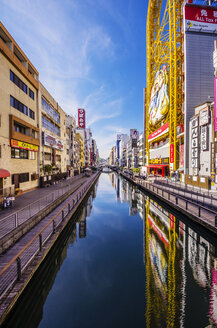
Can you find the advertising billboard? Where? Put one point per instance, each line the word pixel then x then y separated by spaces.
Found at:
pixel 50 141
pixel 81 118
pixel 134 135
pixel 201 19
pixel 159 101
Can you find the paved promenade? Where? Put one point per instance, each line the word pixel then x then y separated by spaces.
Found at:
pixel 30 197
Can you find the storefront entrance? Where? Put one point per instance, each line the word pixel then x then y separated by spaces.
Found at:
pixel 158 170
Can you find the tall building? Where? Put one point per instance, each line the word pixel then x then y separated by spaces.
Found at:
pixel 180 76
pixel 71 130
pixel 19 137
pixel 52 123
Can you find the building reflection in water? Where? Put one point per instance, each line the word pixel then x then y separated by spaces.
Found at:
pixel 180 264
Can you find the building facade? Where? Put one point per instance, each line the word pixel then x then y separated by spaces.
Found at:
pixel 52 123
pixel 19 137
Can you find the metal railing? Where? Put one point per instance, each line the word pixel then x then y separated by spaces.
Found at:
pixel 12 272
pixel 207 215
pixel 194 195
pixel 14 220
pixel 185 186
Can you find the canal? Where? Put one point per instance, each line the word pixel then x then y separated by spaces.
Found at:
pixel 125 261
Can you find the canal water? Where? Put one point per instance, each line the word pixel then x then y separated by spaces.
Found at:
pixel 126 262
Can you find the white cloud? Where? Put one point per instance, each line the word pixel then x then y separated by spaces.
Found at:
pixel 64 43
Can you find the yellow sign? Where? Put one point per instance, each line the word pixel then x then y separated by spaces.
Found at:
pixel 155 161
pixel 23 145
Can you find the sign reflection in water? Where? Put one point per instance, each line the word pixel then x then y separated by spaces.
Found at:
pixel 180 264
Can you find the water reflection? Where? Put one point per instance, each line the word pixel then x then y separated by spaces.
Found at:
pixel 29 310
pixel 180 265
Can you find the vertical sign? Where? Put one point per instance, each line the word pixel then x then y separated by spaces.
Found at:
pixel 81 118
pixel 172 153
pixel 215 87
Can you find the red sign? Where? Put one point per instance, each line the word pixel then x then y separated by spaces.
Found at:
pixel 172 153
pixel 81 118
pixel 158 231
pixel 181 156
pixel 159 132
pixel 200 18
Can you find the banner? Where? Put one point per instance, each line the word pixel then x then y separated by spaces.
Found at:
pixel 159 132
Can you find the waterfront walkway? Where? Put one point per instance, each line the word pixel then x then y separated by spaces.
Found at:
pixel 21 260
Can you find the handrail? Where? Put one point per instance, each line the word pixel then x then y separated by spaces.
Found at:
pixel 21 209
pixel 39 233
pixel 31 241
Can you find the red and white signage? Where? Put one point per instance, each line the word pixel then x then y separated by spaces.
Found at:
pixel 159 132
pixel 158 231
pixel 81 118
pixel 201 19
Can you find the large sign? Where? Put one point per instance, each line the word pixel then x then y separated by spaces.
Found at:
pixel 23 145
pixel 201 19
pixel 159 132
pixel 159 101
pixel 50 141
pixel 204 138
pixel 194 142
pixel 81 118
pixel 134 135
pixel 159 161
pixel 204 116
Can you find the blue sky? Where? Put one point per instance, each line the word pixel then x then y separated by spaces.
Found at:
pixel 90 54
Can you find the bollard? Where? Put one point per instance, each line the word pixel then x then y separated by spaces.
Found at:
pixel 199 208
pixel 62 215
pixel 216 221
pixel 16 220
pixel 40 242
pixel 18 269
pixel 68 207
pixel 54 226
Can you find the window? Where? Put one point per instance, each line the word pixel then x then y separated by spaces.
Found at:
pixel 18 105
pixel 31 94
pixel 34 134
pixel 50 111
pixel 31 114
pixel 19 153
pixel 50 126
pixel 14 78
pixel 23 177
pixel 32 155
pixel 21 128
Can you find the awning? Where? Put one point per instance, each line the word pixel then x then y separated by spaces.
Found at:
pixel 4 173
pixel 157 166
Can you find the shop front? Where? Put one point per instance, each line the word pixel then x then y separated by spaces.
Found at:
pixel 158 167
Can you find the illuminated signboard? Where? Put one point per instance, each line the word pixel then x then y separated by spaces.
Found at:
pixel 201 19
pixel 23 145
pixel 159 101
pixel 81 118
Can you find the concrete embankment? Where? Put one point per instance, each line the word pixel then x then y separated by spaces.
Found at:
pixel 197 213
pixel 19 270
